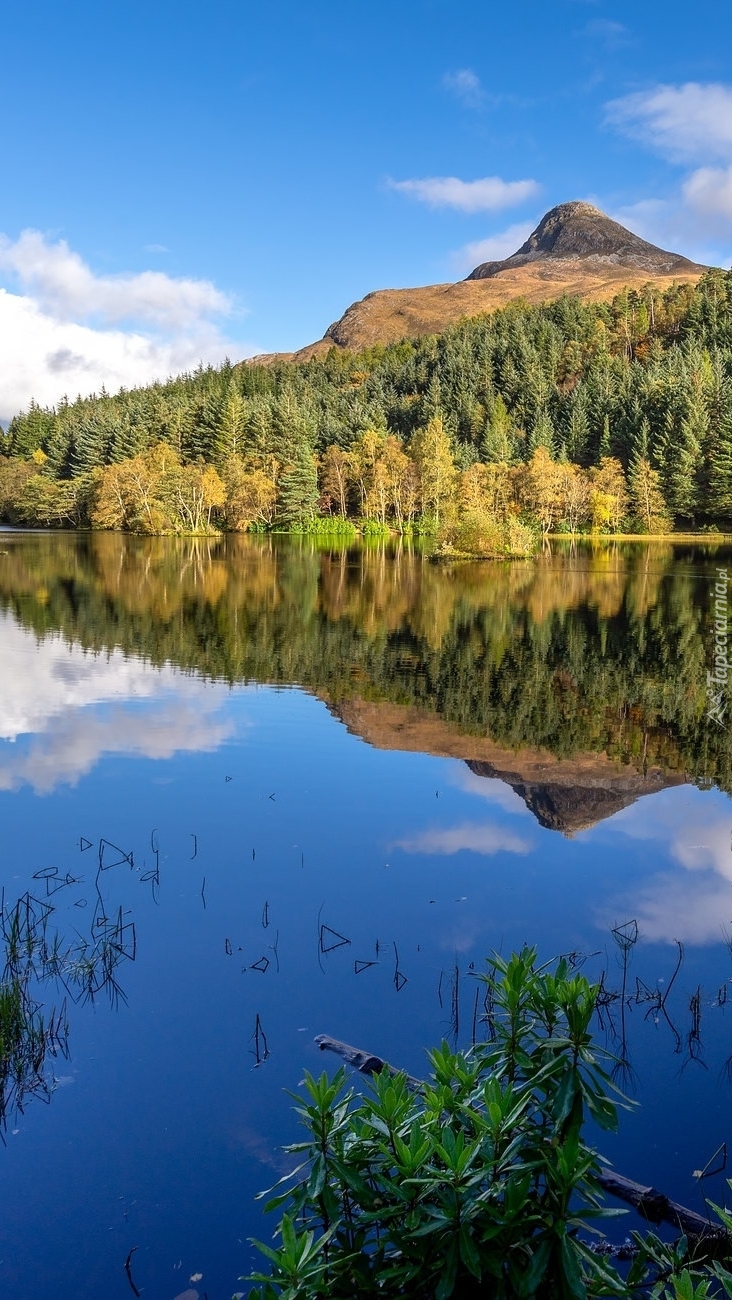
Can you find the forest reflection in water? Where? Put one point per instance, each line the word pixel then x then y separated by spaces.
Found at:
pixel 282 879
pixel 596 650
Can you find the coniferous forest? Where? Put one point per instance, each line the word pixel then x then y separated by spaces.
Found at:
pixel 567 417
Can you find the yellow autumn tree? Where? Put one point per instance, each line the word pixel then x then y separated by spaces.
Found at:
pixel 609 495
pixel 250 496
pixel 431 450
pixel 573 487
pixel 540 484
pixel 335 479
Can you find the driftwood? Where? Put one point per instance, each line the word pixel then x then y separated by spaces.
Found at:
pixel 657 1208
pixel 650 1203
pixel 366 1062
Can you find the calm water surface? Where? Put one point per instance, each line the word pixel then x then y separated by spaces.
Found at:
pixel 261 791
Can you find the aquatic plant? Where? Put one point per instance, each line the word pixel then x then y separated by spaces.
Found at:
pixel 478 1182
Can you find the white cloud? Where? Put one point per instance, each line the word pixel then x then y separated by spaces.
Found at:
pixel 614 36
pixel 689 123
pixel 75 742
pixel 465 86
pixel 71 331
pixel 486 195
pixel 476 838
pixel 681 225
pixel 708 192
pixel 63 285
pixel 492 249
pixel 669 909
pixel 492 789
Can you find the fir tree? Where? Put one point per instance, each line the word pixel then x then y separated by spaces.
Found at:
pixel 542 433
pixel 497 444
pixel 297 498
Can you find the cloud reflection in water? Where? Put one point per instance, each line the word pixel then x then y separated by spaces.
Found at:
pixel 75 708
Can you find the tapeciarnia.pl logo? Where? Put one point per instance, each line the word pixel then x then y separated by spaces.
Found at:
pixel 717 680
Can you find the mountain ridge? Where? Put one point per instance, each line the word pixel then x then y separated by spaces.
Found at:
pixel 576 249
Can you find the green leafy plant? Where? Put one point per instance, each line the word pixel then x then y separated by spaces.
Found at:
pixel 479 1182
pixel 475 1184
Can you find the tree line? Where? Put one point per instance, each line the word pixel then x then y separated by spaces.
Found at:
pixel 568 416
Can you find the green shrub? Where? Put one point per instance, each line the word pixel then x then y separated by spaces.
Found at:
pixel 482 534
pixel 374 528
pixel 479 1182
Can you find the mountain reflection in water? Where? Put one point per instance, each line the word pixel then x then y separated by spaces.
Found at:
pixel 578 678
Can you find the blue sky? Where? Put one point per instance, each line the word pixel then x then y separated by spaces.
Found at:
pixel 184 183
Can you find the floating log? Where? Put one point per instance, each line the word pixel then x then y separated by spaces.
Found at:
pixel 657 1208
pixel 650 1203
pixel 365 1062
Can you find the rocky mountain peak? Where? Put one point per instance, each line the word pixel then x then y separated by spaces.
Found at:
pixel 579 232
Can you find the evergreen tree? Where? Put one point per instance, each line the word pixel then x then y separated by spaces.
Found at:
pixel 717 472
pixel 542 433
pixel 91 443
pixel 603 450
pixel 28 433
pixel 297 498
pixel 578 428
pixel 229 438
pixel 498 444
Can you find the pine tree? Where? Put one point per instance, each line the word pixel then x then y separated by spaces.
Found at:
pixel 27 433
pixel 497 444
pixel 297 498
pixel 130 436
pixel 605 441
pixel 230 434
pixel 682 454
pixel 717 482
pixel 91 444
pixel 542 433
pixel 577 428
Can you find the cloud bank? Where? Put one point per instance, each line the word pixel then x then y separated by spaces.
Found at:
pixel 66 330
pixel 69 709
pixel 471 836
pixel 492 249
pixel 489 194
pixel 690 898
pixel 684 123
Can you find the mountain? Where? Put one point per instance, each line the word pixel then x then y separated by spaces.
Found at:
pixel 564 794
pixel 576 249
pixel 578 232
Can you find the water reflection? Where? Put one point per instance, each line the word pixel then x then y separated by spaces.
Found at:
pixel 80 961
pixel 580 679
pixel 687 894
pixel 538 769
pixel 68 708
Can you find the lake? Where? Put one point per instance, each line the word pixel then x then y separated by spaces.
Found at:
pixel 253 790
